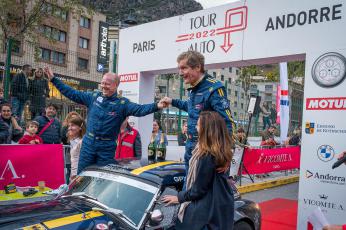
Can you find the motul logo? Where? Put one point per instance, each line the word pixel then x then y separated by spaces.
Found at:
pixel 332 103
pixel 128 77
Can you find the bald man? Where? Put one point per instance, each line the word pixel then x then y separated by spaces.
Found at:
pixel 106 113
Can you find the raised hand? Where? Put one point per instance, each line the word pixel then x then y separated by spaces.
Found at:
pixel 49 72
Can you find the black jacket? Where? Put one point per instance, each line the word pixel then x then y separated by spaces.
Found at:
pixel 52 135
pixel 6 136
pixel 212 201
pixel 20 87
pixel 39 91
pixel 182 139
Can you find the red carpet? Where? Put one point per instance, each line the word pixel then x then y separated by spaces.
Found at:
pixel 279 214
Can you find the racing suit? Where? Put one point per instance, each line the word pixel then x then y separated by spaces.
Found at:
pixel 208 94
pixel 105 116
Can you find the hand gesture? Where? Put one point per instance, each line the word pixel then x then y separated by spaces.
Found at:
pixel 169 199
pixel 32 142
pixel 49 72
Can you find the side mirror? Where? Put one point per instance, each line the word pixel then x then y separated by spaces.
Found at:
pixel 156 217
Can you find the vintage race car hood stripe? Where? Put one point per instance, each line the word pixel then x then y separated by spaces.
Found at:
pixel 72 219
pixel 151 166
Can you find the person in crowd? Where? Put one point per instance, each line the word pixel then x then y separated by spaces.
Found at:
pixel 270 142
pixel 265 115
pixel 39 91
pixel 65 140
pixel 205 93
pixel 50 127
pixel 157 132
pixel 182 137
pixel 240 138
pixel 76 131
pixel 106 112
pixel 208 195
pixel 2 99
pixel 20 91
pixel 64 129
pixel 268 137
pixel 269 132
pixel 273 114
pixel 295 138
pixel 10 131
pixel 129 144
pixel 30 136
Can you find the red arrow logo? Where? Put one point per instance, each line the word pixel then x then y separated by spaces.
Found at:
pixel 227 43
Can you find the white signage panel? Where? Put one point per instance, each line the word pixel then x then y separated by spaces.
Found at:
pixel 324 132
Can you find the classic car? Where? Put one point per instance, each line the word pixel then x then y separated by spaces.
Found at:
pixel 123 196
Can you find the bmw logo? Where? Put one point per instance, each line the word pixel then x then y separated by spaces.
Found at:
pixel 325 153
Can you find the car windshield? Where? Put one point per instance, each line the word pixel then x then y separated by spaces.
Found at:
pixel 131 196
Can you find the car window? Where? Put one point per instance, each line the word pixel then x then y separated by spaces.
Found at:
pixel 131 196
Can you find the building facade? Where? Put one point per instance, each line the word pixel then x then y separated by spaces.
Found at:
pixel 68 43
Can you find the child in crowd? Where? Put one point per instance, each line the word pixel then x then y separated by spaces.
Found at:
pixel 30 136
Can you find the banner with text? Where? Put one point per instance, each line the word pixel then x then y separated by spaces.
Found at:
pixel 259 161
pixel 25 165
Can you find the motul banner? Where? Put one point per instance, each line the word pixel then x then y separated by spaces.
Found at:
pixel 26 165
pixel 259 161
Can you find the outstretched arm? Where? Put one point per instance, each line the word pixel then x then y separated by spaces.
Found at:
pixel 72 94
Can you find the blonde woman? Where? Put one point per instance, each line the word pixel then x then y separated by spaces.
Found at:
pixel 207 202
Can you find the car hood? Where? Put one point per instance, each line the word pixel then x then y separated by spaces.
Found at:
pixel 54 214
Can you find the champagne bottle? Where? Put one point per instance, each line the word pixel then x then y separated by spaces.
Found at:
pixel 152 149
pixel 161 149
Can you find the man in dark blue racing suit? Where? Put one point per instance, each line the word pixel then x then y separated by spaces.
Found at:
pixel 106 112
pixel 205 93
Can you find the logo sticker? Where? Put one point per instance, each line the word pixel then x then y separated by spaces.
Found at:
pixel 325 153
pixel 309 127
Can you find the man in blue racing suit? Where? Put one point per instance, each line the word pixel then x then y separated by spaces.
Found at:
pixel 205 93
pixel 106 112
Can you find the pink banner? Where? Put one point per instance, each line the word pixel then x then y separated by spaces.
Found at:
pixel 25 165
pixel 259 161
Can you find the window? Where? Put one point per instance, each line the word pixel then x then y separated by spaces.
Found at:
pixel 162 89
pixel 235 104
pixel 16 46
pixel 53 33
pixel 268 87
pixel 84 22
pixel 45 54
pixel 230 69
pixel 242 95
pixel 56 11
pixel 83 43
pixel 236 93
pixel 235 114
pixel 237 72
pixel 242 105
pixel 83 63
pixel 229 91
pixel 52 56
pixel 214 74
pixel 222 77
